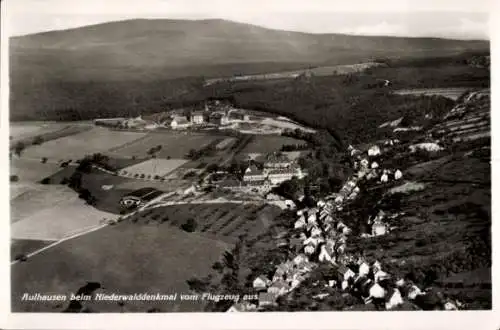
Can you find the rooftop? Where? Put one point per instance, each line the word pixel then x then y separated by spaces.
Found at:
pixel 145 193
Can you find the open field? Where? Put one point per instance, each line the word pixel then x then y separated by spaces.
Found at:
pixel 51 212
pixel 31 170
pixel 21 131
pixel 125 258
pixel 107 200
pixel 268 143
pixel 152 168
pixel 24 130
pixel 76 146
pixel 174 145
pixel 36 197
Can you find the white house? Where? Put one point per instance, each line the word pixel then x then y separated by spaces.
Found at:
pixel 364 269
pixel 379 228
pixel 376 291
pixel 315 232
pixel 299 224
pixel 300 259
pixel 279 175
pixel 324 255
pixel 374 151
pixel 380 276
pixel 278 288
pixel 395 300
pixel 260 283
pixel 309 249
pixel 414 292
pixel 346 272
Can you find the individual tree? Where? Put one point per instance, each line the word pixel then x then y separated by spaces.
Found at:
pixel 14 178
pixel 45 181
pixel 190 225
pixel 44 160
pixel 75 181
pixel 212 168
pixel 38 140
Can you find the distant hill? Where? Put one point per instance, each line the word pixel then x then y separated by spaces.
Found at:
pixel 44 65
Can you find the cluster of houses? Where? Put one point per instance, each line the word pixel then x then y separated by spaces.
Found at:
pixel 276 169
pixel 320 238
pixel 216 112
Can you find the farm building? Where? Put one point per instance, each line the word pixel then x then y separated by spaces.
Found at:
pixel 179 123
pixel 238 115
pixel 140 196
pixel 218 118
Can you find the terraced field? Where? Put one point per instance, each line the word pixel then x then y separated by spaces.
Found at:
pixel 467 123
pixel 268 143
pixel 221 221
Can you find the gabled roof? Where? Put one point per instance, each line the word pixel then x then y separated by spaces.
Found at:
pixel 180 120
pixel 253 170
pixel 262 277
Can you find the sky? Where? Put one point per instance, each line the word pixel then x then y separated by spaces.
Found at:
pixel 460 19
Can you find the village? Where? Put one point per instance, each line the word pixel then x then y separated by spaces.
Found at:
pixel 319 237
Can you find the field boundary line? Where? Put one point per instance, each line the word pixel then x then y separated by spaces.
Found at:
pixel 34 253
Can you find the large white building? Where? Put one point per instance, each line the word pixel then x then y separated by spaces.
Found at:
pixel 279 175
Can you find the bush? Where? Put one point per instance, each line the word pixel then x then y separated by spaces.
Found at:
pixel 21 257
pixel 45 181
pixel 44 160
pixel 14 178
pixel 190 225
